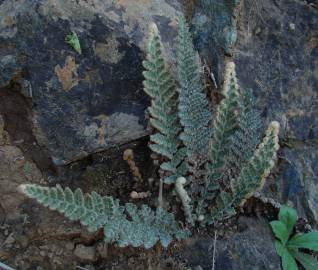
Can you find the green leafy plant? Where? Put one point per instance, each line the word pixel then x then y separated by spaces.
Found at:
pixel 289 246
pixel 195 152
pixel 73 41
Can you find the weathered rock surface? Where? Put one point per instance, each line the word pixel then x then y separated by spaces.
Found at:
pixel 84 103
pixel 275 47
pixel 250 249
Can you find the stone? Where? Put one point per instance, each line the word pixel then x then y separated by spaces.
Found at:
pixel 81 103
pixel 85 252
pixel 251 248
pixel 276 54
pixel 69 246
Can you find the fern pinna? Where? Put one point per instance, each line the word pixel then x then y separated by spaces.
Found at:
pixel 125 225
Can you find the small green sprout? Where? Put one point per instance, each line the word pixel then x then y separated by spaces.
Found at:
pixel 287 246
pixel 73 41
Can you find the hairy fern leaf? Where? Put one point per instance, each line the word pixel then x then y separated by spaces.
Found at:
pixel 125 225
pixel 224 124
pixel 251 178
pixel 246 138
pixel 194 111
pixel 162 89
pixel 254 173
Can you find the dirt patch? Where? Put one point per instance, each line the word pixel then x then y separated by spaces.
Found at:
pixel 16 114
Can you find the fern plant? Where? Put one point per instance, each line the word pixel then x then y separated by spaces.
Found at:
pixel 215 143
pixel 197 153
pixel 288 246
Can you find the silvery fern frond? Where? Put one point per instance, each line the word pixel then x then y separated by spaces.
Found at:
pixel 253 175
pixel 162 89
pixel 194 112
pixel 251 178
pixel 246 137
pixel 224 125
pixel 125 225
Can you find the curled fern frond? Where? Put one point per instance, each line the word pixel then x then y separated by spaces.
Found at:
pixel 185 199
pixel 125 225
pixel 194 112
pixel 162 89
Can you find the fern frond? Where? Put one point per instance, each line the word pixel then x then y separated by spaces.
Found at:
pixel 125 225
pixel 254 173
pixel 162 89
pixel 224 124
pixel 246 138
pixel 251 178
pixel 222 209
pixel 194 112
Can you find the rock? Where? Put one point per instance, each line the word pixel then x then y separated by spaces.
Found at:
pixel 298 181
pixel 81 103
pixel 283 62
pixel 215 32
pixel 4 137
pixel 252 248
pixel 69 246
pixel 276 55
pixel 85 252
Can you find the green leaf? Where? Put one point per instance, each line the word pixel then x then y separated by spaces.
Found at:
pixel 280 231
pixel 288 216
pixel 306 260
pixel 288 262
pixel 308 240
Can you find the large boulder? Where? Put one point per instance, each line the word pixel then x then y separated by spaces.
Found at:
pixel 274 46
pixel 80 103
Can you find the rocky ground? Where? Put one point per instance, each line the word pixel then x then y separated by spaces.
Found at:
pixel 67 118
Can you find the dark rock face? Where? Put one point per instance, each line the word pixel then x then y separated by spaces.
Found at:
pixel 81 103
pixel 276 55
pixel 252 248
